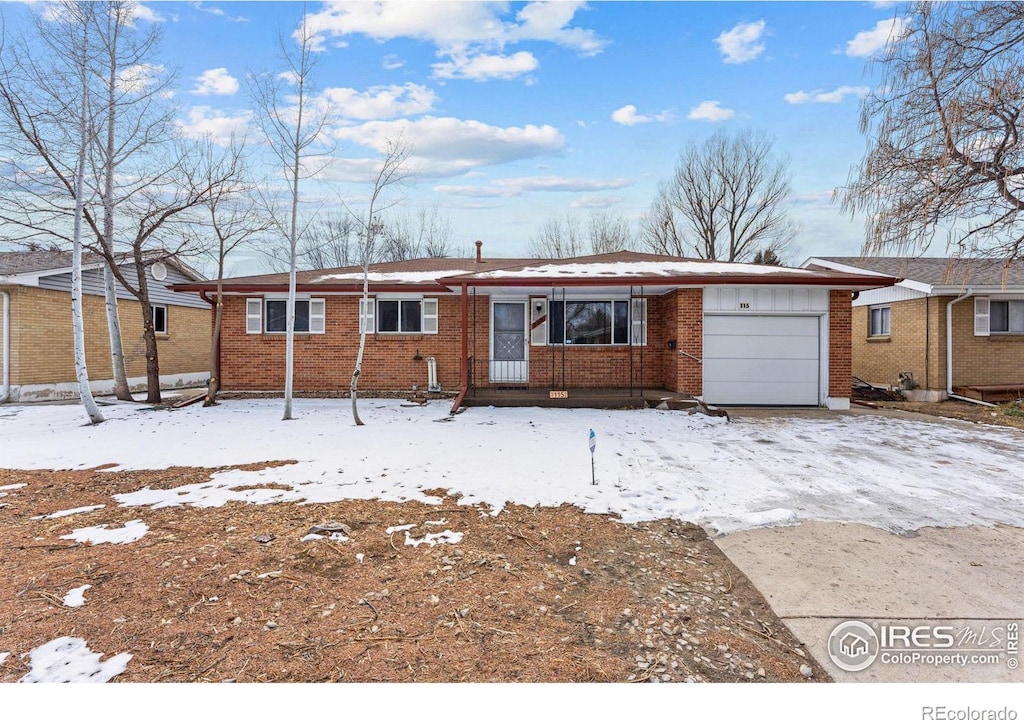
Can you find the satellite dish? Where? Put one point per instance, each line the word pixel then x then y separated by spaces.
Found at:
pixel 158 270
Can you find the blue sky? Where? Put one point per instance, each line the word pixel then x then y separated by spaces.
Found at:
pixel 520 112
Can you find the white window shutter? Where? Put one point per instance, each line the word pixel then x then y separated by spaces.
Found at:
pixel 982 316
pixel 367 321
pixel 317 316
pixel 253 316
pixel 638 317
pixel 538 321
pixel 429 324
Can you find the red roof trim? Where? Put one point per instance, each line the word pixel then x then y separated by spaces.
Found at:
pixel 859 281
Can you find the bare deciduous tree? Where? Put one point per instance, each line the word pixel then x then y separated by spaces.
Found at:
pixel 391 172
pixel 724 202
pixel 293 126
pixel 425 233
pixel 944 125
pixel 566 236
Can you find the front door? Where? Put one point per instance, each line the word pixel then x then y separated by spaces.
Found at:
pixel 509 361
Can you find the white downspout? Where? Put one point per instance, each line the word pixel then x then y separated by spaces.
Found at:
pixel 949 353
pixel 5 389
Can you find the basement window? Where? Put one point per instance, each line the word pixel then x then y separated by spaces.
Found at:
pixel 878 323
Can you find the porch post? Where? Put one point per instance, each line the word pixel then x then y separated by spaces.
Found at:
pixel 465 339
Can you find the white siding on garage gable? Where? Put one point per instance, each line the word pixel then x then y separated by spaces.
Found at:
pixel 159 294
pixel 765 300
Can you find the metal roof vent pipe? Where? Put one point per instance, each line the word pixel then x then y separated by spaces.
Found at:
pixel 479 251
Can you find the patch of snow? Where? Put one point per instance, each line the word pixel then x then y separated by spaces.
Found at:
pixel 99 534
pixel 334 537
pixel 359 557
pixel 76 597
pixel 68 659
pixel 891 472
pixel 421 276
pixel 3 657
pixel 399 528
pixel 665 268
pixel 15 486
pixel 431 539
pixel 65 513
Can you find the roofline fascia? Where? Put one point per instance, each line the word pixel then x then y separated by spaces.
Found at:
pixel 310 288
pixel 696 281
pixel 978 289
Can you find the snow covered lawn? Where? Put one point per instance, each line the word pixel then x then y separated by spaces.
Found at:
pixel 894 473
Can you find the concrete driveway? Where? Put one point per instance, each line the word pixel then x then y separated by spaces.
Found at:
pixel 968 582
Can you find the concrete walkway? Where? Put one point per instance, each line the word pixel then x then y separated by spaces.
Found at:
pixel 819 574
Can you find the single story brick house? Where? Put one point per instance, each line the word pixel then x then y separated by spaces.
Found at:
pixel 956 325
pixel 729 333
pixel 38 360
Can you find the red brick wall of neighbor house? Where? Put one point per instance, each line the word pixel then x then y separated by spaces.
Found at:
pixel 324 362
pixel 690 339
pixel 840 361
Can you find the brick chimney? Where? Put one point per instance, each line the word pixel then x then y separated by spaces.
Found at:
pixel 479 251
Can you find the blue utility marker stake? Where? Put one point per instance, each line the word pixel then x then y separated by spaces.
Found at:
pixel 593 446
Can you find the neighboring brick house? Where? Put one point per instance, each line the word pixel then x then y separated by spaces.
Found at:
pixel 963 314
pixel 35 292
pixel 730 333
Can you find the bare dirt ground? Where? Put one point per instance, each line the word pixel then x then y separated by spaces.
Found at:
pixel 233 594
pixel 1005 415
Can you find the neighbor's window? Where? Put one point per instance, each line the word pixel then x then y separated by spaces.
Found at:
pixel 1006 316
pixel 879 321
pixel 595 322
pixel 159 319
pixel 407 316
pixel 309 316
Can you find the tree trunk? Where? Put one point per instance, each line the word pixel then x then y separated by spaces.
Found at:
pixel 218 312
pixel 121 389
pixel 362 345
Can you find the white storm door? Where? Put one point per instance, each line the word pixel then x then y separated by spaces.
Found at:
pixel 509 359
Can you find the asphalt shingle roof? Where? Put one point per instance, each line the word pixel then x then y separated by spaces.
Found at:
pixel 940 271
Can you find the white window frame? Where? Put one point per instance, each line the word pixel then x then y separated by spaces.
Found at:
pixel 429 321
pixel 153 308
pixel 317 315
pixel 1010 305
pixel 885 315
pixel 253 316
pixel 636 327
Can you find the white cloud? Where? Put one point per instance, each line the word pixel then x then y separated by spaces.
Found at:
pixel 144 12
pixel 392 62
pixel 380 102
pixel 628 115
pixel 831 96
pixel 204 121
pixel 595 202
pixel 452 25
pixel 215 81
pixel 742 43
pixel 514 187
pixel 486 67
pixel 139 78
pixel 869 42
pixel 218 12
pixel 712 111
pixel 446 146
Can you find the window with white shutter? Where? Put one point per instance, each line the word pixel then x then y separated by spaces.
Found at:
pixel 317 316
pixel 638 318
pixel 367 321
pixel 254 316
pixel 981 316
pixel 429 316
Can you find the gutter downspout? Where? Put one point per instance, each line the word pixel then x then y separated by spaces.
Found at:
pixel 5 389
pixel 465 348
pixel 949 353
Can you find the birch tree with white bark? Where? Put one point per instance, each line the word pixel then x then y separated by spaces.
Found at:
pixel 293 126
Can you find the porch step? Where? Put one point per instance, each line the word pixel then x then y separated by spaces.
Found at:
pixel 574 400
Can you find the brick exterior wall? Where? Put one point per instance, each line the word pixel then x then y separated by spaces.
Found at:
pixel 42 343
pixel 690 338
pixel 917 344
pixel 840 363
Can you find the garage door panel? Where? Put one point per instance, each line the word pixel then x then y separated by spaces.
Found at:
pixel 765 346
pixel 793 371
pixel 761 359
pixel 761 325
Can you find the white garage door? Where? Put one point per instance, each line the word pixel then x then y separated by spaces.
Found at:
pixel 761 360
